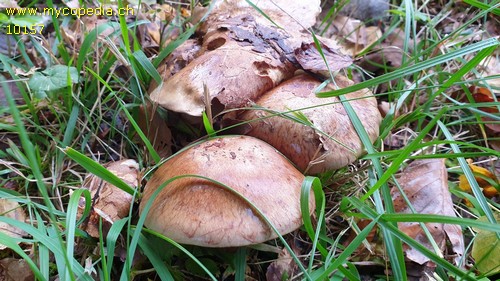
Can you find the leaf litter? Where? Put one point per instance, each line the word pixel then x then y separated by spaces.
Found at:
pixel 424 183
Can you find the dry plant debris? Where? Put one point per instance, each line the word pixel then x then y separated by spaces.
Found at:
pixel 15 270
pixel 425 186
pixel 11 209
pixel 156 129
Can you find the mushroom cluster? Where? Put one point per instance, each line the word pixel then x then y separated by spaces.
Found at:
pixel 242 59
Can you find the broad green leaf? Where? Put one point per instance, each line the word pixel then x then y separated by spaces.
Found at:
pixel 52 78
pixel 3 17
pixel 26 21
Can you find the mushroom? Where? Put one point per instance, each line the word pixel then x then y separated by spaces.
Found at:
pixel 331 142
pixel 242 56
pixel 109 203
pixel 193 210
pixel 239 61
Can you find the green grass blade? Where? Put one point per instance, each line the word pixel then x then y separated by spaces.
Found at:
pixel 476 190
pixel 240 264
pixel 104 253
pixel 484 6
pixel 12 244
pixel 144 138
pixel 208 125
pixel 97 169
pixel 160 267
pixel 173 45
pixel 344 256
pixel 315 184
pixel 50 241
pixel 393 246
pixel 89 40
pixel 31 153
pixel 372 214
pixel 124 29
pixel 427 218
pixel 71 217
pixel 111 238
pixel 262 13
pixel 146 64
pixel 488 43
pixel 43 252
pixel 396 164
pixel 184 250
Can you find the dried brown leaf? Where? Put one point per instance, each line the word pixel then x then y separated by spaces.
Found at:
pixel 110 203
pixel 282 268
pixel 15 270
pixel 11 209
pixel 295 16
pixel 310 59
pixel 8 4
pixel 156 129
pixel 177 60
pixel 425 184
pixel 349 29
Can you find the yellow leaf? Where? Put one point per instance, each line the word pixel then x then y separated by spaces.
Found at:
pixel 488 190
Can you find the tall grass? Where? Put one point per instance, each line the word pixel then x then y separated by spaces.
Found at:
pixel 56 141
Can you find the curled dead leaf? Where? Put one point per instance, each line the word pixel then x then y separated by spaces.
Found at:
pixel 310 59
pixel 110 203
pixel 282 268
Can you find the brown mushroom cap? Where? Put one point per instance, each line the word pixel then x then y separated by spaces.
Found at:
pixel 233 71
pixel 243 55
pixel 333 143
pixel 196 211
